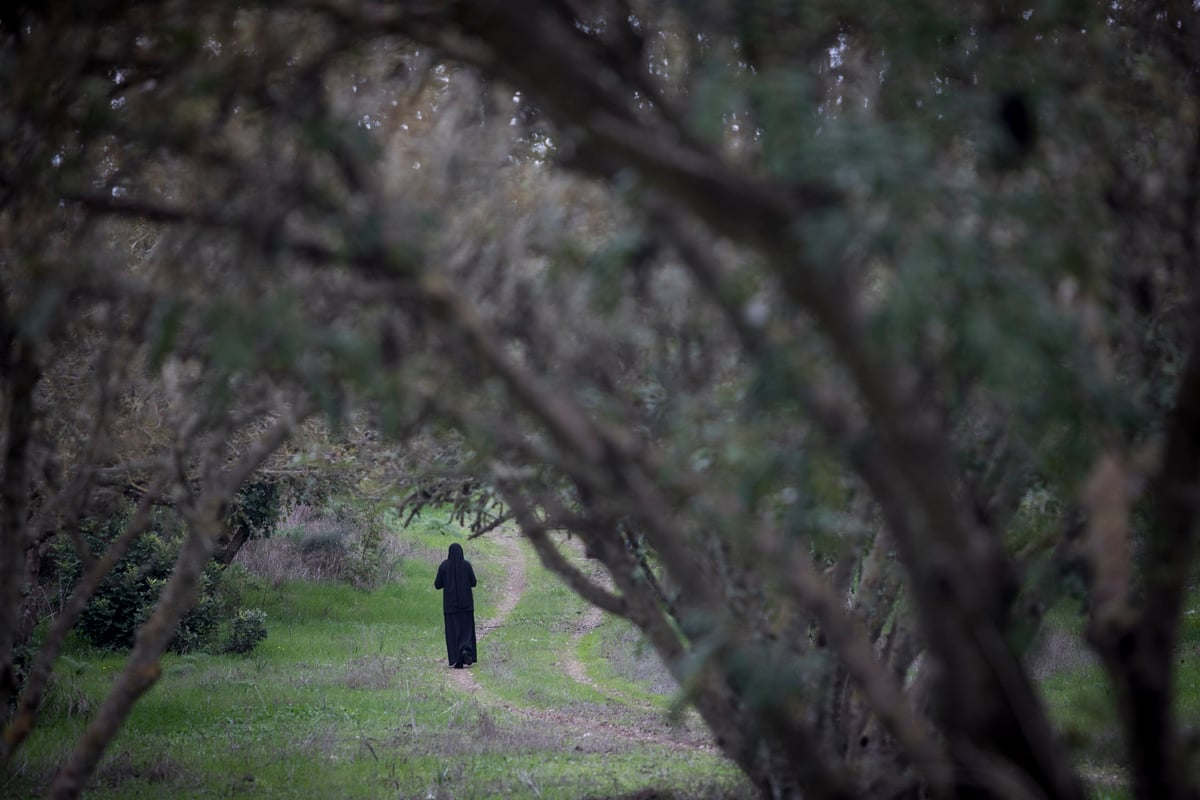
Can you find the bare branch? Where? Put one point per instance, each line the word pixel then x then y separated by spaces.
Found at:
pixel 142 669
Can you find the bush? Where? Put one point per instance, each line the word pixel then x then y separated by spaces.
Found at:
pixel 327 542
pixel 249 628
pixel 127 596
pixel 198 626
pixel 366 561
pixel 23 655
pixel 336 543
pixel 257 507
pixel 236 583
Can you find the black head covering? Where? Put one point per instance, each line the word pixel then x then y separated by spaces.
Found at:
pixel 457 580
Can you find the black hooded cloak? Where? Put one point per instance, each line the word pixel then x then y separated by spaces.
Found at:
pixel 455 578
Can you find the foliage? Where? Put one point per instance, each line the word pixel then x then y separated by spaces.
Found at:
pixel 199 625
pixel 846 338
pixel 247 630
pixel 324 542
pixel 366 562
pixel 337 542
pixel 257 507
pixel 129 593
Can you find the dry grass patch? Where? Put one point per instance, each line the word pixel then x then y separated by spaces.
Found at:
pixel 373 672
pixel 627 656
pixel 160 769
pixel 315 545
pixel 322 742
pixel 1057 651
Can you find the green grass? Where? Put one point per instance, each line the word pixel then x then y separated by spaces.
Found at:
pixel 1080 699
pixel 522 661
pixel 619 659
pixel 349 697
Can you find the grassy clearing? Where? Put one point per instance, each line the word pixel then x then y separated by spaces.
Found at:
pixel 349 697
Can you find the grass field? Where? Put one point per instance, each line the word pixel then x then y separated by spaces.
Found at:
pixel 350 696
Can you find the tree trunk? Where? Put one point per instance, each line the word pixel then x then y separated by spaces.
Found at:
pixel 20 377
pixel 228 552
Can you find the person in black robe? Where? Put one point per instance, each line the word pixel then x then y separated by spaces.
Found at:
pixel 455 578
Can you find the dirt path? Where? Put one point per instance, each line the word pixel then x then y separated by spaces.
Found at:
pixel 595 727
pixel 574 666
pixel 510 594
pixel 591 620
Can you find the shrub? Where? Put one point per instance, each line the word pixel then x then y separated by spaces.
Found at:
pixel 328 542
pixel 337 543
pixel 366 561
pixel 248 628
pixel 236 582
pixel 322 546
pixel 198 626
pixel 23 655
pixel 127 595
pixel 256 507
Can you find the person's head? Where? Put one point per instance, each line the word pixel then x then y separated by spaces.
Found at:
pixel 456 551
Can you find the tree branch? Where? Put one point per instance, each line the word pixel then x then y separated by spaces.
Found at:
pixel 847 637
pixel 21 374
pixel 550 556
pixel 205 518
pixel 23 720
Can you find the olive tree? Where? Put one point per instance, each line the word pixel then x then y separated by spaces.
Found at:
pixel 794 315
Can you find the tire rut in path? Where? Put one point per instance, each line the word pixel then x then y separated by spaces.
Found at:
pixel 510 594
pixel 592 618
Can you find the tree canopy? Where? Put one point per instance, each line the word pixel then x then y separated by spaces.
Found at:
pixel 847 337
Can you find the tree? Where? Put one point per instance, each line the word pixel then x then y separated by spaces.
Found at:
pixel 788 312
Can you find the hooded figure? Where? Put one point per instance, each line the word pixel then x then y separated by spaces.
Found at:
pixel 455 578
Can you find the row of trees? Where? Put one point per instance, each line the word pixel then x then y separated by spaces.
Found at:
pixel 841 335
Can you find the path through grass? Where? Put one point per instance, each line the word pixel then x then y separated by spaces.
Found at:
pixel 349 696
